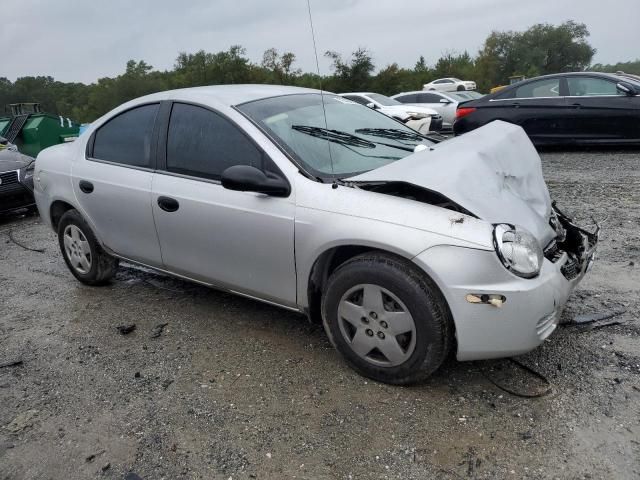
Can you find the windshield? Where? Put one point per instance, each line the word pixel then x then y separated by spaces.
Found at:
pixel 383 99
pixel 360 138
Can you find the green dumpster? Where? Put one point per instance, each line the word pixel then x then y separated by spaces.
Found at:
pixel 33 130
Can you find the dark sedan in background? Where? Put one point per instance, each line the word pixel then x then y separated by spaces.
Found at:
pixel 564 109
pixel 16 181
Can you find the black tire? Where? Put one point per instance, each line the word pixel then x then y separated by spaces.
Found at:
pixel 102 265
pixel 434 329
pixel 461 88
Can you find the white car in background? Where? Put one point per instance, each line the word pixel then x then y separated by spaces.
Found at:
pixel 419 118
pixel 450 85
pixel 443 103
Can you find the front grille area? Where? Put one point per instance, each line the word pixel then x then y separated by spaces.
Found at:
pixel 8 180
pixel 12 193
pixel 571 269
pixel 552 252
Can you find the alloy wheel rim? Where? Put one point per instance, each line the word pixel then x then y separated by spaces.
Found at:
pixel 377 325
pixel 77 248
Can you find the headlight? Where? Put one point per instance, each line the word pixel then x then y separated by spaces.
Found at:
pixel 28 171
pixel 417 115
pixel 518 250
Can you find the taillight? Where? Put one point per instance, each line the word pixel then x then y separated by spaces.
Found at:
pixel 463 112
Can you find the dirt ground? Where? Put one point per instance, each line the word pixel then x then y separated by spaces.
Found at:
pixel 232 388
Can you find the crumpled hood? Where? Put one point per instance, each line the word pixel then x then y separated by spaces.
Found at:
pixel 11 160
pixel 494 172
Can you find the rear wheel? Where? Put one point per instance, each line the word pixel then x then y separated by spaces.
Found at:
pixel 389 321
pixel 82 253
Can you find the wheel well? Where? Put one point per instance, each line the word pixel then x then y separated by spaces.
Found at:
pixel 322 269
pixel 58 208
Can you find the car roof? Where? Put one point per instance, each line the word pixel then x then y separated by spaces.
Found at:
pixel 611 76
pixel 421 91
pixel 228 95
pixel 356 93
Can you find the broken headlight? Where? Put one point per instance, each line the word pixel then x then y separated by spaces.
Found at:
pixel 518 250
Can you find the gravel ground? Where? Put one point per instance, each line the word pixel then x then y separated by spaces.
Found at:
pixel 232 388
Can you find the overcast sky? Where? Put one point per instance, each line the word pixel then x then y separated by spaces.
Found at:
pixel 83 40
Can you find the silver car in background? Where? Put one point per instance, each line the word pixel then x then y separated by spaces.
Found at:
pixel 445 104
pixel 404 249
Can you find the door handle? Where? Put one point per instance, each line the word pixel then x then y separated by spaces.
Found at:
pixel 576 105
pixel 168 204
pixel 85 186
pixel 515 105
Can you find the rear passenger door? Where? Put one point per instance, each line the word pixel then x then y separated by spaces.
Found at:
pixel 242 241
pixel 113 183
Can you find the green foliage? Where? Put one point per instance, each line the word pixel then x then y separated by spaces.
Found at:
pixel 626 67
pixel 352 76
pixel 541 49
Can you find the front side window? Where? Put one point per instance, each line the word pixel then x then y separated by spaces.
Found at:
pixel 590 86
pixel 429 98
pixel 408 98
pixel 202 143
pixel 549 87
pixel 353 139
pixel 127 137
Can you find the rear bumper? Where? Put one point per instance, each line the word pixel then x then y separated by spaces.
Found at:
pixel 532 308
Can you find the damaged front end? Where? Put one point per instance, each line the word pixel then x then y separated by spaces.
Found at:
pixel 573 246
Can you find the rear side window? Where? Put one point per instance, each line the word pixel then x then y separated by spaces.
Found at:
pixel 127 137
pixel 549 87
pixel 202 143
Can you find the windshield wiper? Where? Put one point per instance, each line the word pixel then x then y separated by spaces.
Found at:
pixel 343 138
pixel 393 133
pixel 335 136
pixel 397 134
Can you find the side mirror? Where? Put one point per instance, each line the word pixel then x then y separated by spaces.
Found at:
pixel 372 105
pixel 626 88
pixel 244 178
pixel 445 101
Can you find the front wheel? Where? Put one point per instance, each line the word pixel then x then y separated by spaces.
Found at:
pixel 388 320
pixel 82 253
pixel 461 88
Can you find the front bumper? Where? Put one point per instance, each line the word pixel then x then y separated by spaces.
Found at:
pixel 436 123
pixel 532 307
pixel 15 191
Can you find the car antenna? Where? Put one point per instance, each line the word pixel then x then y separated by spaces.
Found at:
pixel 324 110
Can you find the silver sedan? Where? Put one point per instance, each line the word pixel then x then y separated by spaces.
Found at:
pixel 403 248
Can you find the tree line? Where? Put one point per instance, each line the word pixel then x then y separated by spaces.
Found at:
pixel 539 50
